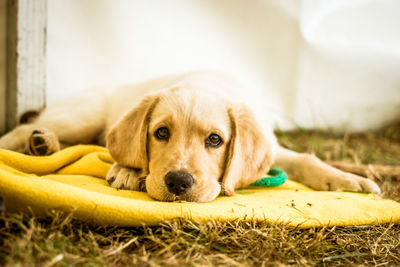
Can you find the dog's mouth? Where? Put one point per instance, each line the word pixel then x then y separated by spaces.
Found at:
pixel 189 196
pixel 179 188
pixel 193 196
pixel 181 199
pixel 186 197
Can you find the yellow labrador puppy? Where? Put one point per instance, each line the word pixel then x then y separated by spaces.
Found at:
pixel 188 137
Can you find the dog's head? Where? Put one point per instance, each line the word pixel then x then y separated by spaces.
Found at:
pixel 190 145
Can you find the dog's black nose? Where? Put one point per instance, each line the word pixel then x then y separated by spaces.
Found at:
pixel 178 182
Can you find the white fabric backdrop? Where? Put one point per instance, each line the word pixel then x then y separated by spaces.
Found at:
pixel 315 63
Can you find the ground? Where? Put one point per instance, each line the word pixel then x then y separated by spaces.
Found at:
pixel 59 240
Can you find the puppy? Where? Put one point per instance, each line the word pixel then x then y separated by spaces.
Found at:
pixel 188 137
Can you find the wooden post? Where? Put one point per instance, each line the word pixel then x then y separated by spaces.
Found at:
pixel 26 58
pixel 3 52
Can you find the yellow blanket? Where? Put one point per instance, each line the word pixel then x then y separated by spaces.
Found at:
pixel 73 179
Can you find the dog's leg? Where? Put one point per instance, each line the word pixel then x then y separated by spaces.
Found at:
pixel 31 139
pixel 311 171
pixel 79 120
pixel 126 178
pixel 17 139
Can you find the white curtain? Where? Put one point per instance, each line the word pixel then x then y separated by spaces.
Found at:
pixel 332 64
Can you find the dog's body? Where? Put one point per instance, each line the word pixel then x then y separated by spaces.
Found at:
pixel 186 137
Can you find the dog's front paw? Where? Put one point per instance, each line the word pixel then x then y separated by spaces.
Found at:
pixel 125 178
pixel 42 142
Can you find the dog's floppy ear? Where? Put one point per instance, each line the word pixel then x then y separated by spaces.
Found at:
pixel 127 140
pixel 249 154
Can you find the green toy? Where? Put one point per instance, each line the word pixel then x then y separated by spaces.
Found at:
pixel 277 177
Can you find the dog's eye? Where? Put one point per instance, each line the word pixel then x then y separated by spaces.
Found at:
pixel 214 140
pixel 162 133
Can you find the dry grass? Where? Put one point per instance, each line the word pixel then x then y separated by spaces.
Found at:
pixel 59 240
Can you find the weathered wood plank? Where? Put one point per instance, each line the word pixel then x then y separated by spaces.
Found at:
pixel 26 58
pixel 3 45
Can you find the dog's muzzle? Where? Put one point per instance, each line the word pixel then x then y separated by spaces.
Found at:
pixel 178 182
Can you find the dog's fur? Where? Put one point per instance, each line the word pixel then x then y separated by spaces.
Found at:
pixel 192 107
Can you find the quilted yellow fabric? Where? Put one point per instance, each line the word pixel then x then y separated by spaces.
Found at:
pixel 73 179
